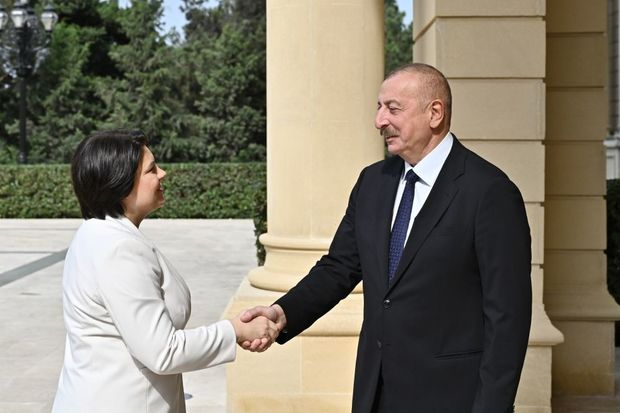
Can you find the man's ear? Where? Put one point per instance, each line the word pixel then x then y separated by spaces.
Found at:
pixel 438 113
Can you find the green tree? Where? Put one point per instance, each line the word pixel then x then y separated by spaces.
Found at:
pixel 63 99
pixel 203 99
pixel 146 94
pixel 8 114
pixel 398 37
pixel 225 55
pixel 63 104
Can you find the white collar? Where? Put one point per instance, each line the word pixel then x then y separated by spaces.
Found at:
pixel 126 223
pixel 429 167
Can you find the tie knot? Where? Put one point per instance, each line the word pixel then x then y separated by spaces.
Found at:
pixel 411 177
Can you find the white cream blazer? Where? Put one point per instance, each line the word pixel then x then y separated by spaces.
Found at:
pixel 125 308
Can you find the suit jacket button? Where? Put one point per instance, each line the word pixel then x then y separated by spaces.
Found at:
pixel 379 344
pixel 387 303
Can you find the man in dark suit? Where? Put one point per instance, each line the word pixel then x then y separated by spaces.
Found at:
pixel 444 253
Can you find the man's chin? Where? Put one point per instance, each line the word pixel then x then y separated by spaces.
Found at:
pixel 392 149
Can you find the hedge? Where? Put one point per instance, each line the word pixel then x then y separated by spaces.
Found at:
pixel 214 190
pixel 38 191
pixel 226 190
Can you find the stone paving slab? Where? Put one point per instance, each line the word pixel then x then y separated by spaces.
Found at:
pixel 212 255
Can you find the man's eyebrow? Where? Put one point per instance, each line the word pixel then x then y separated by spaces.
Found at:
pixel 389 102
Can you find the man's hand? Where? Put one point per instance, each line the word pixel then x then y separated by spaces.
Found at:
pixel 260 329
pixel 273 313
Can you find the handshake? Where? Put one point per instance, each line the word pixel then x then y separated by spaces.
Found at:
pixel 257 328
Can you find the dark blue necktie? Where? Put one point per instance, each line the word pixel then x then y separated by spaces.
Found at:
pixel 401 224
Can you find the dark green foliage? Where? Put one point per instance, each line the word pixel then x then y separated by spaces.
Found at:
pixel 63 101
pixel 147 95
pixel 260 223
pixel 227 72
pixel 37 191
pixel 398 37
pixel 613 238
pixel 228 190
pixel 202 99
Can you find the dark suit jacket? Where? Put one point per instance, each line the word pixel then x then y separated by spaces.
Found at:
pixel 449 334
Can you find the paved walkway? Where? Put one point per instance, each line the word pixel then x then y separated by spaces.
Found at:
pixel 212 255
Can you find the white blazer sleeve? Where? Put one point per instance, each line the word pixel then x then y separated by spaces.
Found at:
pixel 129 283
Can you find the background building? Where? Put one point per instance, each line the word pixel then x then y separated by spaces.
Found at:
pixel 529 80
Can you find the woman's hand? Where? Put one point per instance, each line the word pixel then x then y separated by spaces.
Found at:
pixel 274 313
pixel 260 330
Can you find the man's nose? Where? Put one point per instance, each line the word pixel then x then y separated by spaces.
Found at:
pixel 380 119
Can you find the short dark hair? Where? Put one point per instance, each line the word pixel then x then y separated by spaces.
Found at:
pixel 103 171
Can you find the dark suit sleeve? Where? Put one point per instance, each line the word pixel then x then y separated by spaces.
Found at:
pixel 503 248
pixel 333 277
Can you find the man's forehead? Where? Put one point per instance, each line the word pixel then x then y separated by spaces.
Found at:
pixel 398 88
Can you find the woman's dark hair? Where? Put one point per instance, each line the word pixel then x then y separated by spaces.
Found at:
pixel 103 171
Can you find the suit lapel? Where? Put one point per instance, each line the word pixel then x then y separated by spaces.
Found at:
pixel 438 200
pixel 390 175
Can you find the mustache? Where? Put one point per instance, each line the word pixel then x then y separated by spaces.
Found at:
pixel 388 132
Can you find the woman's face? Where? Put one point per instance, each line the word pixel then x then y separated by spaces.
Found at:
pixel 147 194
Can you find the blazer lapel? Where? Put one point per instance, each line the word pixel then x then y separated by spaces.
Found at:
pixel 434 207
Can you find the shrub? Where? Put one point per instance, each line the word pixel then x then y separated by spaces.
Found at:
pixel 214 190
pixel 37 191
pixel 260 223
pixel 226 190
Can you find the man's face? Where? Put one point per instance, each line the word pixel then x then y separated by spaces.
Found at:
pixel 403 121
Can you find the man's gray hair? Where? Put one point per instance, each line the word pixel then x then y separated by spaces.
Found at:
pixel 435 85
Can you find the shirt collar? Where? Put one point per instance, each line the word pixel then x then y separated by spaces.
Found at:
pixel 429 167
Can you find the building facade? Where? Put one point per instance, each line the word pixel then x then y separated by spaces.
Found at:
pixel 530 88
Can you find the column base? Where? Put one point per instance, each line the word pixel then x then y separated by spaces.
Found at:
pixel 534 394
pixel 287 260
pixel 292 377
pixel 584 364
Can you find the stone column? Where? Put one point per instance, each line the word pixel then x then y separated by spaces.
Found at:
pixel 493 54
pixel 576 294
pixel 324 69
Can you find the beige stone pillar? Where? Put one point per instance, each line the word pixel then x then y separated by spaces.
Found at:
pixel 324 68
pixel 493 54
pixel 576 294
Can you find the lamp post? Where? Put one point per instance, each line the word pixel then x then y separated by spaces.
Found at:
pixel 24 41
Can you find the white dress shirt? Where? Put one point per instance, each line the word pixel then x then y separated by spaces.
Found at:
pixel 427 170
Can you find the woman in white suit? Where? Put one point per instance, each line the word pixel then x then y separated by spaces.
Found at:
pixel 125 306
